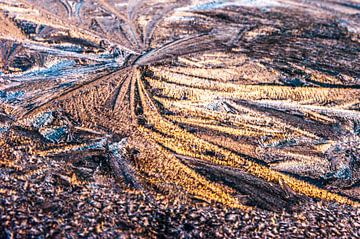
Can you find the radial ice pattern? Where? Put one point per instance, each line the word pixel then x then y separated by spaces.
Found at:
pixel 246 103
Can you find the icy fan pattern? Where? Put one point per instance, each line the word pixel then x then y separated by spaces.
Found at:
pixel 244 103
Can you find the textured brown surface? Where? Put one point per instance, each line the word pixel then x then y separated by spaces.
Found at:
pixel 244 106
